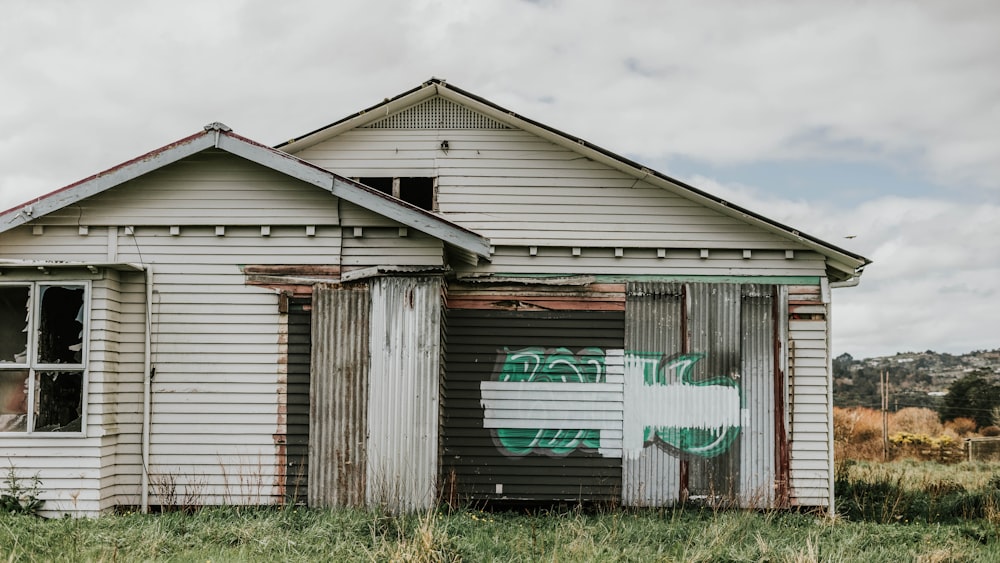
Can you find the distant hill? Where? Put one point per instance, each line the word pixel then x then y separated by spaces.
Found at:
pixel 916 379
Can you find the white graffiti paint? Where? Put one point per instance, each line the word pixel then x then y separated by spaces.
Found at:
pixel 569 407
pixel 622 408
pixel 678 405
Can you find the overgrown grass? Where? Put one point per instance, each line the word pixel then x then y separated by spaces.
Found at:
pixel 927 492
pixel 901 511
pixel 241 534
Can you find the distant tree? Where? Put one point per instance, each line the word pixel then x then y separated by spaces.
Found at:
pixel 972 396
pixel 842 365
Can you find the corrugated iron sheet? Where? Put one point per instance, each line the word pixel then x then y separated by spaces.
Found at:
pixel 758 439
pixel 403 405
pixel 339 396
pixel 707 352
pixel 654 318
pixel 714 331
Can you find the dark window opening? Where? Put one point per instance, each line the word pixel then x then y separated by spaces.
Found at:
pixel 60 325
pixel 14 323
pixel 383 185
pixel 418 191
pixel 58 401
pixel 413 190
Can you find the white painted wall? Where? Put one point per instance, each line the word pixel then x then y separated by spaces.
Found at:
pixel 518 189
pixel 810 407
pixel 216 340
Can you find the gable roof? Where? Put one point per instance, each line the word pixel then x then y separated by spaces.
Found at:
pixel 217 135
pixel 842 264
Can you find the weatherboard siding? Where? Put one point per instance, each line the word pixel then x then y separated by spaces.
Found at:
pixel 76 470
pixel 517 189
pixel 209 188
pixel 216 355
pixel 216 351
pixel 116 370
pixel 810 407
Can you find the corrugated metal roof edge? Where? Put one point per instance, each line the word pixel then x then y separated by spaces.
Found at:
pixel 845 256
pixel 217 135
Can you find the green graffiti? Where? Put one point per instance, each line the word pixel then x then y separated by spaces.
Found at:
pixel 664 405
pixel 539 364
pixel 552 364
pixel 698 441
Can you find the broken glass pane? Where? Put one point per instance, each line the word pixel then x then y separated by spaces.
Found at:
pixel 13 400
pixel 60 326
pixel 58 401
pixel 14 324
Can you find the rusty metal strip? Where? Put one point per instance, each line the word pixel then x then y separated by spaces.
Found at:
pixel 781 451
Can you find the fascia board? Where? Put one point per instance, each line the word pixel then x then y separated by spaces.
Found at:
pixel 276 160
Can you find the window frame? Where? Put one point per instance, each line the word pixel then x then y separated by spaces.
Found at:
pixel 34 367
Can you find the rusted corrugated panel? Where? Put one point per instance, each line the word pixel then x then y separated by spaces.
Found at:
pixel 533 405
pixel 403 405
pixel 339 396
pixel 714 332
pixel 653 336
pixel 758 438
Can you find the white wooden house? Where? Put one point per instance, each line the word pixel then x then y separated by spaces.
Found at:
pixel 434 298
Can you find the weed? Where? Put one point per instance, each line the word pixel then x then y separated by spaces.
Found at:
pixel 19 496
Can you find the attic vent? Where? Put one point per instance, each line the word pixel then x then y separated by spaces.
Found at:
pixel 437 113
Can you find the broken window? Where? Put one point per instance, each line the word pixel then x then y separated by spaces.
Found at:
pixel 415 190
pixel 13 400
pixel 42 370
pixel 14 327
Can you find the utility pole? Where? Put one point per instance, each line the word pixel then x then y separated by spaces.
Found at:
pixel 884 380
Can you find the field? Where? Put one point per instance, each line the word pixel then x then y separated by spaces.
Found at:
pixel 916 508
pixel 887 526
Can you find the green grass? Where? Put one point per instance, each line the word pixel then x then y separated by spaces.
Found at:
pixel 234 534
pixel 900 511
pixel 917 474
pixel 915 491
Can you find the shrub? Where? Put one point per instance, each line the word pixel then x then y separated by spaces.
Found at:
pixel 962 426
pixel 990 431
pixel 857 433
pixel 943 448
pixel 916 420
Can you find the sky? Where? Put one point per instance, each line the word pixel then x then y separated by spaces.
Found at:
pixel 872 125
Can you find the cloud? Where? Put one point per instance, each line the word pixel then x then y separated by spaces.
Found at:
pixel 933 283
pixel 903 84
pixel 720 82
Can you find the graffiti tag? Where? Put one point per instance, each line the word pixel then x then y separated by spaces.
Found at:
pixel 540 365
pixel 554 402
